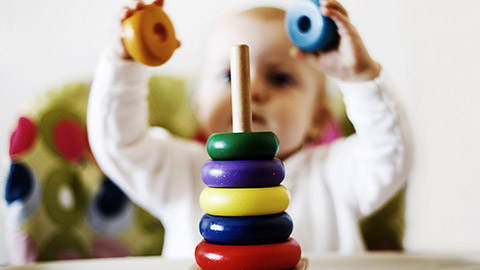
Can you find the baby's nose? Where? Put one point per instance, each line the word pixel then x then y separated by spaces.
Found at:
pixel 258 90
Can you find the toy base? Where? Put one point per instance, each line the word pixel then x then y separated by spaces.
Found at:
pixel 302 265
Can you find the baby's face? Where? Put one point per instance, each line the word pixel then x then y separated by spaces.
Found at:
pixel 284 90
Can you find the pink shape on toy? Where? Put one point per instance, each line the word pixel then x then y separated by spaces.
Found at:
pixel 70 139
pixel 22 137
pixel 69 254
pixel 108 247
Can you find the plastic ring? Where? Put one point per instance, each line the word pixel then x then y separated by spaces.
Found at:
pixel 244 201
pixel 243 173
pixel 242 145
pixel 246 230
pixel 23 193
pixel 149 36
pixel 262 257
pixel 308 29
pixel 64 240
pixel 64 181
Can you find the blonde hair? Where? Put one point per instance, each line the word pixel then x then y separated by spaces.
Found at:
pixel 263 13
pixel 322 114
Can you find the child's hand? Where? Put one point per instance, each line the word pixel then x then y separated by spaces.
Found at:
pixel 349 61
pixel 117 47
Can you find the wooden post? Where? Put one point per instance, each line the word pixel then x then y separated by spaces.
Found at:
pixel 240 82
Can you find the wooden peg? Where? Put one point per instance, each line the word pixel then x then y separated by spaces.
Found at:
pixel 240 83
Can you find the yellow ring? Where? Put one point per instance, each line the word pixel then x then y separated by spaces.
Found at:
pixel 244 201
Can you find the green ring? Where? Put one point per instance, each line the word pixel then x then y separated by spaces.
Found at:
pixel 242 145
pixel 55 210
pixel 60 241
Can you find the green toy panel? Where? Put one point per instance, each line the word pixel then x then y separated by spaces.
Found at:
pixel 59 204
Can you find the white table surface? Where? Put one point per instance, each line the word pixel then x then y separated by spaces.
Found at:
pixel 371 261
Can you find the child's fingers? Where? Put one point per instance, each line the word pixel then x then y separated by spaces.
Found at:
pixel 134 4
pixel 140 5
pixel 334 5
pixel 158 2
pixel 128 11
pixel 343 23
pixel 116 47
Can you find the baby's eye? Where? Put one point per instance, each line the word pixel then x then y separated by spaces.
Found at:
pixel 281 79
pixel 226 77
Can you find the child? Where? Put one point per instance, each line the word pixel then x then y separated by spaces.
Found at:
pixel 332 186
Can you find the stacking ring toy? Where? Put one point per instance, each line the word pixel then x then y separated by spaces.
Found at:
pixel 243 173
pixel 242 145
pixel 149 36
pixel 308 29
pixel 244 201
pixel 253 257
pixel 246 230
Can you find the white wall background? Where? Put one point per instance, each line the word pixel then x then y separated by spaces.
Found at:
pixel 430 49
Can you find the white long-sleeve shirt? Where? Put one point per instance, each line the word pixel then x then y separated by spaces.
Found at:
pixel 331 186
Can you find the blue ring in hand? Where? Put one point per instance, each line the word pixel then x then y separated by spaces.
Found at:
pixel 251 230
pixel 243 173
pixel 308 29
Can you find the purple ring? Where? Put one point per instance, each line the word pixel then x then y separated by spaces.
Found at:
pixel 243 173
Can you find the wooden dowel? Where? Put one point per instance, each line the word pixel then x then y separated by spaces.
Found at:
pixel 240 82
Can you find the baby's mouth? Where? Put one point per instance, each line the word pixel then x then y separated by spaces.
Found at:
pixel 257 119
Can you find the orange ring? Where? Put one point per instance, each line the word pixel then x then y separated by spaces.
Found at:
pixel 149 36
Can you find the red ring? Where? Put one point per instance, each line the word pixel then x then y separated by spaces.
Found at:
pixel 276 256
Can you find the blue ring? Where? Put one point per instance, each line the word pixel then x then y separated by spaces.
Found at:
pixel 251 230
pixel 243 173
pixel 19 183
pixel 308 29
pixel 23 193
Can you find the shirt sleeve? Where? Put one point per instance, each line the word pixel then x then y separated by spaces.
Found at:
pixel 368 167
pixel 150 165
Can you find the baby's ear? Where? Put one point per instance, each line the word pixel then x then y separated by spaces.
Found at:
pixel 196 104
pixel 314 133
pixel 321 117
pixel 198 108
